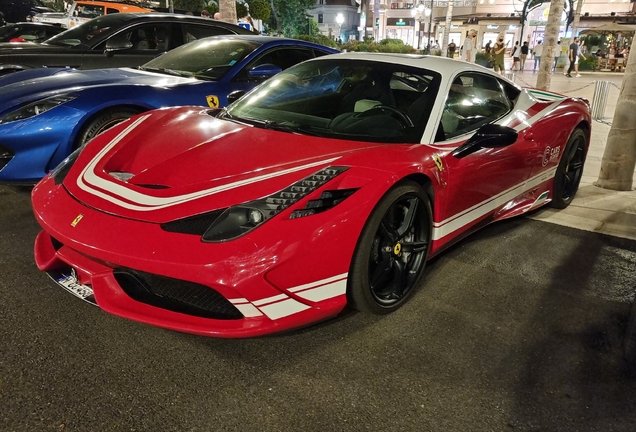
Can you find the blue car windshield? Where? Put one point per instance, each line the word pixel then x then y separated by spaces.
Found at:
pixel 85 33
pixel 349 99
pixel 208 58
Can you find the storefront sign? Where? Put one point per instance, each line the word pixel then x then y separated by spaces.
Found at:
pixel 492 27
pixel 400 22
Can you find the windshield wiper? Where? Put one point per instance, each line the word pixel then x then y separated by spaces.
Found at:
pixel 268 124
pixel 166 71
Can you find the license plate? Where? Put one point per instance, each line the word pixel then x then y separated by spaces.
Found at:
pixel 72 285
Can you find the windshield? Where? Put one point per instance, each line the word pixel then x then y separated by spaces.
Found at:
pixel 345 99
pixel 82 34
pixel 208 58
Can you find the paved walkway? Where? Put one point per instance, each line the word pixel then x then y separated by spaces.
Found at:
pixel 593 209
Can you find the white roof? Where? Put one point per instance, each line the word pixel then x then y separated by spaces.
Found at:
pixel 444 65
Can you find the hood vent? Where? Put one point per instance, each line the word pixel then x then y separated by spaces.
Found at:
pixel 121 176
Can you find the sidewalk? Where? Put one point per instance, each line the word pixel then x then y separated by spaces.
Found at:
pixel 593 209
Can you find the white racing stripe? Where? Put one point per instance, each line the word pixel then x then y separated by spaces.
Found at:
pixel 281 305
pixel 88 181
pixel 455 222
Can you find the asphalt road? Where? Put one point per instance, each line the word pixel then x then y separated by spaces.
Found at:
pixel 516 328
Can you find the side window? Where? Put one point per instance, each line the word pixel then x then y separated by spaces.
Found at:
pixel 194 31
pixel 89 11
pixel 281 57
pixel 473 100
pixel 111 11
pixel 149 37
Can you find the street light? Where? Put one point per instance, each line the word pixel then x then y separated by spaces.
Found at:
pixel 418 13
pixel 340 20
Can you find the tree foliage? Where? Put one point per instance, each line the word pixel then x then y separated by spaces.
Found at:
pixel 241 10
pixel 319 39
pixel 189 5
pixel 289 17
pixel 260 9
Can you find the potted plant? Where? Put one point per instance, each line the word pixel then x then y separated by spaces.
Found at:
pixel 483 59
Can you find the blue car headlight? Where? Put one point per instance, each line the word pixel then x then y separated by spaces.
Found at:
pixel 36 108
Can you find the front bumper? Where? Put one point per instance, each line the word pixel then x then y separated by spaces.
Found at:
pixel 238 274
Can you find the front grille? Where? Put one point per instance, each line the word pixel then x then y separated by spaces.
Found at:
pixel 5 156
pixel 176 295
pixel 197 225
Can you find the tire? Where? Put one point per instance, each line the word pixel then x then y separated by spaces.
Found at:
pixel 629 343
pixel 101 122
pixel 385 268
pixel 570 170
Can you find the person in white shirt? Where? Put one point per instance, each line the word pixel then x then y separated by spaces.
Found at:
pixel 537 52
pixel 468 51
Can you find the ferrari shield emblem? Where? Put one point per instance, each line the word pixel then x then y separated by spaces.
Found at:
pixel 213 101
pixel 438 162
pixel 77 220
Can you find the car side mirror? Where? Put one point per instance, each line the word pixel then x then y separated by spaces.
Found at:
pixel 235 95
pixel 487 136
pixel 116 44
pixel 264 71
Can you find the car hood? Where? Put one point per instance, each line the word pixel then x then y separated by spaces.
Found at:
pixel 34 84
pixel 177 162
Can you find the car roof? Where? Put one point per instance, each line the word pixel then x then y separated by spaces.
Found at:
pixel 158 16
pixel 445 66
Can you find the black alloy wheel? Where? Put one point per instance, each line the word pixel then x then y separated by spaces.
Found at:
pixel 392 250
pixel 570 170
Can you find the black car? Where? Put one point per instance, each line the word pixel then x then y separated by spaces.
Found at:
pixel 116 40
pixel 28 32
pixel 14 11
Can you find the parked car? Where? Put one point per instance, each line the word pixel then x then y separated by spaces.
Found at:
pixel 14 11
pixel 47 113
pixel 28 32
pixel 116 40
pixel 85 10
pixel 329 185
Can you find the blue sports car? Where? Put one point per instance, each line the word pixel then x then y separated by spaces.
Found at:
pixel 47 113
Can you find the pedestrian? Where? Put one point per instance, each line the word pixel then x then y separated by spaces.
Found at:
pixel 524 54
pixel 557 54
pixel 468 50
pixel 516 53
pixel 573 56
pixel 451 49
pixel 537 52
pixel 498 52
pixel 205 14
pixel 488 47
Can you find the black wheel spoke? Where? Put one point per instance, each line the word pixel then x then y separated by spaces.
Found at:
pixel 414 247
pixel 409 218
pixel 389 231
pixel 575 166
pixel 381 273
pixel 398 279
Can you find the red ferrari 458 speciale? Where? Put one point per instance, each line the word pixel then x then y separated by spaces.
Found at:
pixel 329 185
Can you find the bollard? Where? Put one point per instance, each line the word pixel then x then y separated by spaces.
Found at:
pixel 599 100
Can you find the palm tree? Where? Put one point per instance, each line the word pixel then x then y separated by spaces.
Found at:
pixel 619 159
pixel 550 44
pixel 449 18
pixel 227 8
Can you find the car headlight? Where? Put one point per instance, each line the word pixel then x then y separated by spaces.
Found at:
pixel 59 172
pixel 240 219
pixel 36 108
